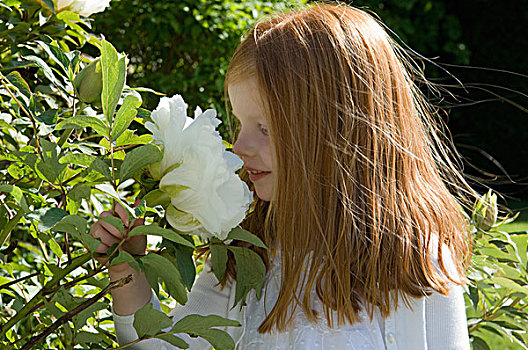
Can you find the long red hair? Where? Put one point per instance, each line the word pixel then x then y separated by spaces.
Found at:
pixel 366 178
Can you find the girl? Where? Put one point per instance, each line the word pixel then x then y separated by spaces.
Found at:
pixel 353 183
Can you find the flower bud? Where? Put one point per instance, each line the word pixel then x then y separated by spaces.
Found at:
pixel 485 211
pixel 89 83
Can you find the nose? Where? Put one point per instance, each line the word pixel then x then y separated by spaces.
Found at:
pixel 243 145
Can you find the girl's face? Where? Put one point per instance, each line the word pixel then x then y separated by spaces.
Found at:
pixel 253 143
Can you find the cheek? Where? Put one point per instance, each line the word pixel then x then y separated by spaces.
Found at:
pixel 267 153
pixel 268 157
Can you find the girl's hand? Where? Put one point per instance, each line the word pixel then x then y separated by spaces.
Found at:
pixel 110 235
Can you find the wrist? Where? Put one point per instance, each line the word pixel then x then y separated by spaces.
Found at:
pixel 120 271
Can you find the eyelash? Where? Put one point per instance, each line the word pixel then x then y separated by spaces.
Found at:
pixel 264 130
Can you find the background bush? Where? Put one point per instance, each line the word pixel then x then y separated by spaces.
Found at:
pixel 185 46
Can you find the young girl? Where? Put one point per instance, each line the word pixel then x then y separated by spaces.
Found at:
pixel 368 246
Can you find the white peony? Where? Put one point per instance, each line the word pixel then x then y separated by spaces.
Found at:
pixel 198 174
pixel 175 132
pixel 84 8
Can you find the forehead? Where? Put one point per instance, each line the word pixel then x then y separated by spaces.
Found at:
pixel 246 98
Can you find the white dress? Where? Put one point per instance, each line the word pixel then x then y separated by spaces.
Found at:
pixel 432 323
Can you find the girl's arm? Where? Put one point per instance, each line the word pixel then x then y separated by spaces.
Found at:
pixel 206 298
pixel 446 323
pixel 445 316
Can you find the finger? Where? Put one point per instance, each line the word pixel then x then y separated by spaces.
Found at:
pixel 96 227
pixel 119 210
pixel 137 222
pixel 106 238
pixel 112 230
pixel 102 248
pixel 105 214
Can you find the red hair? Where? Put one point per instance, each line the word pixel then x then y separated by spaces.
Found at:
pixel 363 169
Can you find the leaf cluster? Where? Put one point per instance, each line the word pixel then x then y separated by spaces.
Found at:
pixel 63 162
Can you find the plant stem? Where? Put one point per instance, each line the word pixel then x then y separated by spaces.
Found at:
pixel 68 316
pixel 22 313
pixel 493 314
pixel 112 162
pixel 5 285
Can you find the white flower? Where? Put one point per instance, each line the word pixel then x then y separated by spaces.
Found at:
pixel 198 174
pixel 84 8
pixel 175 131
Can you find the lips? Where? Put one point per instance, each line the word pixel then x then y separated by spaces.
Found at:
pixel 253 170
pixel 256 174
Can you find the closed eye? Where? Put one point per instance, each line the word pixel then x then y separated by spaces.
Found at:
pixel 264 129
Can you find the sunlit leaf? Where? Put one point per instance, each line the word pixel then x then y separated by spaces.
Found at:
pixel 114 73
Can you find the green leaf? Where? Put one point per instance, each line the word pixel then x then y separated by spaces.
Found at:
pixel 47 217
pixel 217 338
pixel 84 337
pixel 161 232
pixel 114 73
pixel 219 260
pixel 57 55
pixel 76 226
pixel 509 284
pixel 181 257
pixel 125 258
pixel 69 15
pixel 79 192
pixel 55 247
pixel 129 138
pixel 101 167
pixel 148 322
pixel 48 117
pixel 84 121
pixel 474 297
pixel 197 325
pixel 49 169
pixel 163 268
pixel 73 224
pixel 239 234
pixel 174 340
pixel 48 73
pixel 191 322
pixel 157 197
pixel 81 159
pixel 185 263
pixel 17 194
pixel 137 159
pixel 125 115
pixel 479 344
pixel 109 190
pixel 521 241
pixel 80 319
pixel 16 79
pixel 251 272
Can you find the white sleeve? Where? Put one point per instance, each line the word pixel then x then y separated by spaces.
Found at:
pixel 446 324
pixel 206 298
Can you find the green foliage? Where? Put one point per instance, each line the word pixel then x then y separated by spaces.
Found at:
pixel 72 144
pixel 184 46
pixel 497 295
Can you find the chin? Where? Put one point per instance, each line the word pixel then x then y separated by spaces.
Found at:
pixel 264 195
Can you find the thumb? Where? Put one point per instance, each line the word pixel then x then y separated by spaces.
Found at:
pixel 137 222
